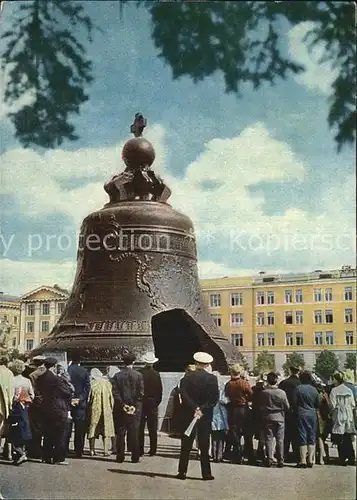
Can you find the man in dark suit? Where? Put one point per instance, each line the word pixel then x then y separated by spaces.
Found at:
pixel 151 401
pixel 199 392
pixel 55 393
pixel 81 382
pixel 289 386
pixel 128 393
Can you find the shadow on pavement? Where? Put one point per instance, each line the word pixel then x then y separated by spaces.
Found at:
pixel 149 474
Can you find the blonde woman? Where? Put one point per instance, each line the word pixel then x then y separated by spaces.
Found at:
pixel 100 410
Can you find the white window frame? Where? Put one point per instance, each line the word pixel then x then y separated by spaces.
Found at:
pixel 348 294
pixel 317 295
pixel 237 319
pixel 270 297
pixel 215 300
pixel 260 319
pixel 288 296
pixel 318 335
pixel 260 297
pixel 318 316
pixel 32 329
pixel 328 312
pixel 271 339
pixel 271 318
pixel 299 338
pixel 286 315
pixel 236 299
pixel 30 310
pixel 348 315
pixel 299 296
pixel 60 305
pixel 47 304
pixel 237 339
pixel 328 294
pixel 289 339
pixel 329 335
pixel 26 344
pixel 217 319
pixel 299 317
pixel 349 334
pixel 44 322
pixel 260 339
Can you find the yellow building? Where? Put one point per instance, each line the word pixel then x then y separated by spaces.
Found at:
pixel 10 318
pixel 302 312
pixel 40 311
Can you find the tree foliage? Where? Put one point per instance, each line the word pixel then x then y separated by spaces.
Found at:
pixel 244 41
pixel 326 364
pixel 264 363
pixel 351 361
pixel 45 62
pixel 293 359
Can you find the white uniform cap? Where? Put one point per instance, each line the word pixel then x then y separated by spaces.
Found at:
pixel 203 357
pixel 149 358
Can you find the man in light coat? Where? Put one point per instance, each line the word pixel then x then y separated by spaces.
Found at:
pixel 6 397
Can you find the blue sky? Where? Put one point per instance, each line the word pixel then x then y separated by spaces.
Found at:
pixel 270 152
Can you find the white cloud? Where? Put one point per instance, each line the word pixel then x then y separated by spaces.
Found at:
pixel 231 224
pixel 318 75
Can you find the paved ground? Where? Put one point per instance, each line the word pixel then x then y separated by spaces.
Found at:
pixel 153 478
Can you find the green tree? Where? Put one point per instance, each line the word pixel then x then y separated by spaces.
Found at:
pixel 45 62
pixel 326 364
pixel 265 362
pixel 293 359
pixel 244 41
pixel 350 362
pixel 242 360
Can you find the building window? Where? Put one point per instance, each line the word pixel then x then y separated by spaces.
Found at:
pixel 298 296
pixel 15 320
pixel 348 316
pixel 317 295
pixel 45 308
pixel 299 317
pixel 299 338
pixel 348 293
pixel 318 317
pixel 217 319
pixel 215 300
pixel 329 338
pixel 328 316
pixel 30 309
pixel 349 338
pixel 60 307
pixel 45 326
pixel 271 318
pixel 288 317
pixel 29 344
pixel 260 298
pixel 13 342
pixel 328 294
pixel 236 299
pixel 260 339
pixel 237 339
pixel 289 339
pixel 318 338
pixel 30 326
pixel 260 319
pixel 271 339
pixel 271 297
pixel 288 296
pixel 237 319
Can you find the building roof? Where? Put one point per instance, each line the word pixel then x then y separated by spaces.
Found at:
pixel 8 298
pixel 62 292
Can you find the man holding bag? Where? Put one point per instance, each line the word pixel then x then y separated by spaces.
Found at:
pixel 199 393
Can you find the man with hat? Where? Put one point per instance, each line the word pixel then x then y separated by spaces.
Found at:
pixel 291 437
pixel 36 369
pixel 151 401
pixel 56 393
pixel 199 392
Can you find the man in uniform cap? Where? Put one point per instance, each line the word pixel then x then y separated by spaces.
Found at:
pixel 199 393
pixel 152 399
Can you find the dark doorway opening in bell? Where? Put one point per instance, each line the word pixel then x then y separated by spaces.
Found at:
pixel 177 336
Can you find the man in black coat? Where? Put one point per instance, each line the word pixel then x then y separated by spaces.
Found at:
pixel 55 393
pixel 151 402
pixel 128 393
pixel 199 392
pixel 289 386
pixel 81 382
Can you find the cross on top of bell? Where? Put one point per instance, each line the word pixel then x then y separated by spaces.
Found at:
pixel 138 125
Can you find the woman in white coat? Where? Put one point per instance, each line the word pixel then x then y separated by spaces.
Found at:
pixel 343 406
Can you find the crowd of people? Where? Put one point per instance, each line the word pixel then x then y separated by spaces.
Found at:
pixel 42 403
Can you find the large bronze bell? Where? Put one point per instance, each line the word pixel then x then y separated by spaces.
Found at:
pixel 137 285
